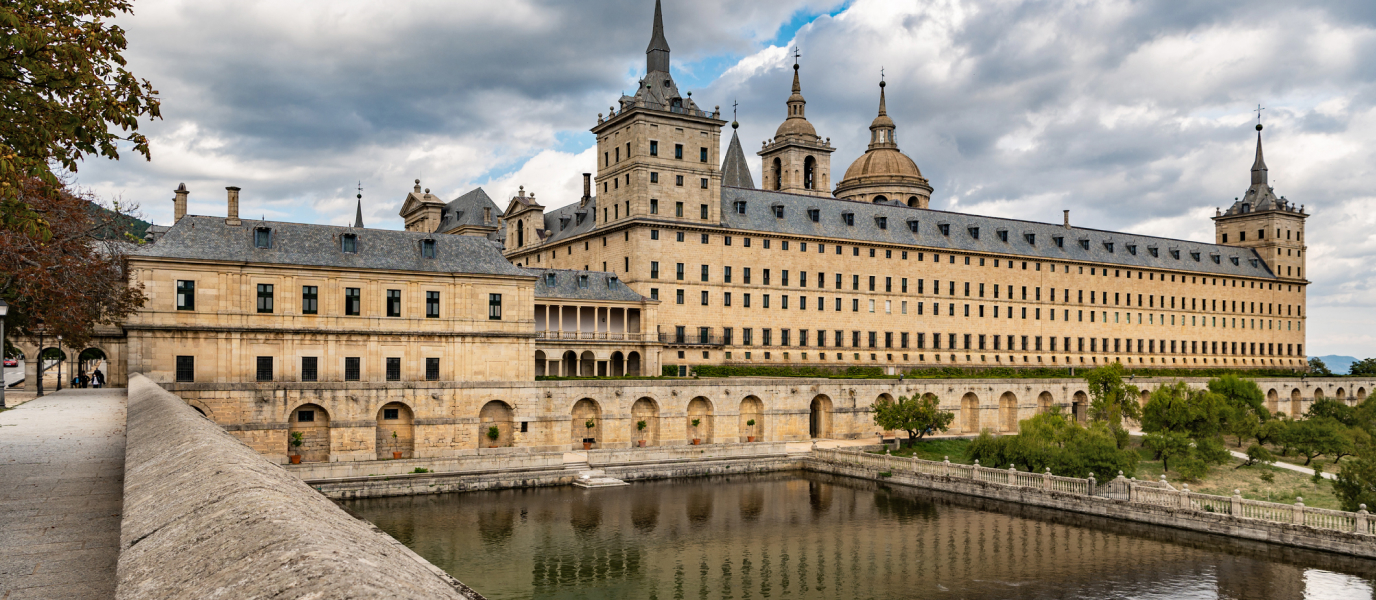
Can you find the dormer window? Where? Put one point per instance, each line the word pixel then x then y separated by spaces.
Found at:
pixel 427 248
pixel 1217 259
pixel 1003 235
pixel 974 232
pixel 611 282
pixel 1132 249
pixel 1195 256
pixel 945 229
pixel 487 215
pixel 1031 238
pixel 578 218
pixel 550 280
pixel 881 222
pixel 1175 254
pixel 1234 260
pixel 1253 261
pixel 814 214
pixel 740 207
pixel 1108 246
pixel 563 222
pixel 262 237
pixel 348 243
pixel 912 225
pixel 1084 243
pixel 1059 240
pixel 1155 253
pixel 849 218
pixel 778 211
pixel 583 281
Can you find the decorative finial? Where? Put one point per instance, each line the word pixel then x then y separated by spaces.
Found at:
pixel 881 76
pixel 1258 111
pixel 360 190
pixel 796 56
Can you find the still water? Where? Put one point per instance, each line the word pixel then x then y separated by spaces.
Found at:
pixel 803 535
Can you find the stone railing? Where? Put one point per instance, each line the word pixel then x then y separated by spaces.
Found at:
pixel 593 335
pixel 207 516
pixel 1130 491
pixel 658 454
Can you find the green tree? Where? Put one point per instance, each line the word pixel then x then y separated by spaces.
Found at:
pixel 1052 440
pixel 66 95
pixel 1318 369
pixel 917 416
pixel 1111 401
pixel 1364 368
pixel 1356 482
pixel 1271 431
pixel 1257 454
pixel 1316 437
pixel 1197 413
pixel 1168 445
pixel 1332 409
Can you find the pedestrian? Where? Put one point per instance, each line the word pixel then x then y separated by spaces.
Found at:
pixel 98 378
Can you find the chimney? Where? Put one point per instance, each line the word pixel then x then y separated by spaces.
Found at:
pixel 179 202
pixel 587 188
pixel 1067 218
pixel 233 219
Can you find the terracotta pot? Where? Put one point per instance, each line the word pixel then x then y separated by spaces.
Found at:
pixel 696 441
pixel 492 446
pixel 640 443
pixel 587 445
pixel 396 455
pixel 749 438
pixel 295 459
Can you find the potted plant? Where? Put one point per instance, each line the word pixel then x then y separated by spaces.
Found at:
pixel 492 434
pixel 396 455
pixel 640 426
pixel 751 425
pixel 587 441
pixel 297 440
pixel 696 422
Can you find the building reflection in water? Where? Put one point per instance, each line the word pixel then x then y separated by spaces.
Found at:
pixel 812 536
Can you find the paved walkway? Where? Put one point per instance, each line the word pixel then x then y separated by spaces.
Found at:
pixel 61 494
pixel 1289 466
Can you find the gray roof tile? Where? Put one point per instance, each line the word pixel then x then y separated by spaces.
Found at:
pixel 568 284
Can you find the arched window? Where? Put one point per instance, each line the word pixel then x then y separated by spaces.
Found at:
pixel 520 234
pixel 913 201
pixel 878 199
pixel 778 174
pixel 809 173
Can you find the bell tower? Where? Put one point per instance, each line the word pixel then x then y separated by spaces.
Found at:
pixel 1269 224
pixel 797 161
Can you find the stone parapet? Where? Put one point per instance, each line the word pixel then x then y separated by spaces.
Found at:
pixel 207 516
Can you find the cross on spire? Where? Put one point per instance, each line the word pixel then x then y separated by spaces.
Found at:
pixel 358 211
pixel 796 55
pixel 881 73
pixel 734 104
pixel 1258 111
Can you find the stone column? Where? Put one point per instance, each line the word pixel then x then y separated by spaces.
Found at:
pixel 1299 511
pixel 1362 527
pixel 1236 508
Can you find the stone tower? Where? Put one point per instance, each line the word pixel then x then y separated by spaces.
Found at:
pixel 1271 225
pixel 734 170
pixel 797 161
pixel 883 173
pixel 657 152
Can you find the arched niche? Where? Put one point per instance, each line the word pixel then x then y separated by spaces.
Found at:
pixel 313 423
pixel 969 413
pixel 700 410
pixel 752 409
pixel 645 410
pixel 585 411
pixel 396 435
pixel 819 417
pixel 1008 412
pixel 496 413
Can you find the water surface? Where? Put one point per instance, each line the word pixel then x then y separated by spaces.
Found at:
pixel 804 535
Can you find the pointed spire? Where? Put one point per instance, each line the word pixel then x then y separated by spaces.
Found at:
pixel 734 170
pixel 657 53
pixel 358 214
pixel 1259 166
pixel 882 128
pixel 882 111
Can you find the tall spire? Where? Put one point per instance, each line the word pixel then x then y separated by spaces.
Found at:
pixel 657 53
pixel 882 128
pixel 734 170
pixel 1259 166
pixel 358 215
pixel 796 104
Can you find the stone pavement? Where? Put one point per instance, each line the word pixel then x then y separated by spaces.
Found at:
pixel 61 495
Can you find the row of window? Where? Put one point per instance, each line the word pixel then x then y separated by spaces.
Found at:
pixel 310 368
pixel 1261 235
pixel 263 238
pixel 353 300
pixel 859 339
pixel 607 157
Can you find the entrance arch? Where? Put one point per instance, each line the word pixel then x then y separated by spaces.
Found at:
pixel 313 423
pixel 969 413
pixel 89 361
pixel 540 361
pixel 585 411
pixel 633 364
pixel 618 364
pixel 647 410
pixel 1296 399
pixel 395 431
pixel 752 409
pixel 569 362
pixel 1008 412
pixel 1079 406
pixel 1044 402
pixel 1272 401
pixel 1361 394
pixel 699 409
pixel 819 417
pixel 587 364
pixel 495 414
pixel 1340 395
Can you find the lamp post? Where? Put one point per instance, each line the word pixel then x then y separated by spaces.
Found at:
pixel 4 380
pixel 40 329
pixel 59 363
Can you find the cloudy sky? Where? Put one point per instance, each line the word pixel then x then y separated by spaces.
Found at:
pixel 1136 116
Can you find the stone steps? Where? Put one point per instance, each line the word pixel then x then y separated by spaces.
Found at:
pixel 596 478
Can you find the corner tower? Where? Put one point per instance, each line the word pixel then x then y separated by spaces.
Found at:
pixel 883 173
pixel 1271 225
pixel 797 161
pixel 657 152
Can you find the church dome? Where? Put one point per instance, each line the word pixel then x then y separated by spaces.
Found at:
pixel 796 126
pixel 883 173
pixel 883 162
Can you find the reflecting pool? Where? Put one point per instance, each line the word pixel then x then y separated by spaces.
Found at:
pixel 804 535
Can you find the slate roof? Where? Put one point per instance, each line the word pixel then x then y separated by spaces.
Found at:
pixel 735 171
pixel 759 217
pixel 208 238
pixel 601 285
pixel 568 215
pixel 468 210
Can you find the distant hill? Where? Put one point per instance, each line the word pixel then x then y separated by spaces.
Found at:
pixel 1339 365
pixel 122 225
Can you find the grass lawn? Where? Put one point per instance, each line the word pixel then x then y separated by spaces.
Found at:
pixel 937 450
pixel 1223 479
pixel 1294 458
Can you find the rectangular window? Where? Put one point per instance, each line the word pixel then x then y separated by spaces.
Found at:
pixel 704 297
pixel 432 305
pixel 654 208
pixel 678 271
pixel 264 297
pixel 654 269
pixel 678 151
pixel 352 368
pixel 394 303
pixel 702 155
pixel 186 369
pixel 353 302
pixel 494 307
pixel 766 337
pixel 310 296
pixel 679 299
pixel 726 299
pixel 262 238
pixel 678 206
pixel 427 248
pixel 747 336
pixel 186 295
pixel 309 370
pixel 726 335
pixel 432 369
pixel 393 368
pixel 726 274
pixel 654 148
pixel 264 368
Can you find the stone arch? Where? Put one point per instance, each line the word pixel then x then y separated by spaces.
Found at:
pixel 633 364
pixel 618 366
pixel 879 198
pixel 1340 395
pixel 819 417
pixel 752 409
pixel 49 362
pixel 809 173
pixel 969 413
pixel 699 409
pixel 1296 400
pixel 1272 400
pixel 1008 412
pixel 499 414
pixel 587 364
pixel 396 432
pixel 91 359
pixel 778 174
pixel 540 360
pixel 647 410
pixel 312 421
pixel 1143 397
pixel 569 363
pixel 585 410
pixel 1079 406
pixel 914 202
pixel 1044 402
pixel 1318 393
pixel 1361 394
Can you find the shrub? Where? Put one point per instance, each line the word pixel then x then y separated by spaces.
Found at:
pixel 493 433
pixel 1258 454
pixel 1356 482
pixel 669 370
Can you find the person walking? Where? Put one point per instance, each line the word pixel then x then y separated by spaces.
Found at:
pixel 98 378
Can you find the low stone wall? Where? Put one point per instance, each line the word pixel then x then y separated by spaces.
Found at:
pixel 207 516
pixel 662 454
pixel 1296 526
pixel 496 459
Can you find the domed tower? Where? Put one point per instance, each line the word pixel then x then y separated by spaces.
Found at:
pixel 883 173
pixel 796 160
pixel 1271 225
